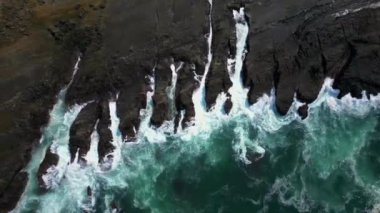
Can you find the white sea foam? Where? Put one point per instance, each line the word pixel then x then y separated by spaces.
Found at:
pixel 172 88
pixel 59 109
pixel 56 133
pixel 59 146
pixel 146 114
pixel 146 132
pixel 92 156
pixel 355 10
pixel 139 161
pixel 180 123
pixel 168 127
pixel 200 93
pixel 76 68
pixel 237 91
pixel 113 159
pixel 346 104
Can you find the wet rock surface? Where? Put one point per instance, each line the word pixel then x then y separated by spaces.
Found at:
pixel 223 46
pixel 80 132
pixel 160 98
pixel 50 159
pixel 292 47
pixel 105 136
pixel 34 66
pixel 303 111
pixel 296 51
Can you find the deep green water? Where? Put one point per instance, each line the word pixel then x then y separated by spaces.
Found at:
pixel 326 163
pixel 329 163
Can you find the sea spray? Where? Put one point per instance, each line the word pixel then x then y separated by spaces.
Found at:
pixel 358 9
pixel 235 65
pixel 172 88
pixel 323 163
pixel 56 131
pixel 59 140
pixel 112 160
pixel 237 91
pixel 146 114
pixel 146 131
pixel 92 156
pixel 60 144
pixel 168 126
pixel 293 175
pixel 76 68
pixel 180 123
pixel 200 93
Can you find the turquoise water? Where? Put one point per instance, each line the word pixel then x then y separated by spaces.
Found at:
pixel 252 160
pixel 326 163
pixel 331 166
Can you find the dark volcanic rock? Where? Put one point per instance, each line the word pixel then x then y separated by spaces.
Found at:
pixel 24 116
pixel 299 50
pixel 13 190
pixel 167 29
pixel 293 46
pixel 105 136
pixel 50 159
pixel 223 47
pixel 34 67
pixel 360 70
pixel 89 191
pixel 80 131
pixel 132 98
pixel 184 92
pixel 303 111
pixel 160 98
pixel 95 116
pixel 228 106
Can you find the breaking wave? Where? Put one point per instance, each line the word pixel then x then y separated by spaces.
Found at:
pixel 250 160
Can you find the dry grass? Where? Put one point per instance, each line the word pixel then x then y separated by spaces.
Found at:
pixel 51 12
pixel 22 52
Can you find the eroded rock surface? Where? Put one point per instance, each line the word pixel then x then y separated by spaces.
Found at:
pixel 292 47
pixel 38 48
pixel 296 51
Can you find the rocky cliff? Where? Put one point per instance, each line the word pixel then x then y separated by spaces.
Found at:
pixel 293 47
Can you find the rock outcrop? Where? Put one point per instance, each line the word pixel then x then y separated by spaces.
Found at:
pixel 38 48
pixel 295 50
pixel 292 47
pixel 80 132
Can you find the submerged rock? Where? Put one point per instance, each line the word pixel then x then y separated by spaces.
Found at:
pixel 303 111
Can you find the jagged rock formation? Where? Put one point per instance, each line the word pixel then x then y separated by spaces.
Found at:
pixel 35 65
pixel 293 46
pixel 298 50
pixel 93 115
pixel 105 136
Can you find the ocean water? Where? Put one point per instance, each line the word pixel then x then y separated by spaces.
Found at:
pixel 251 160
